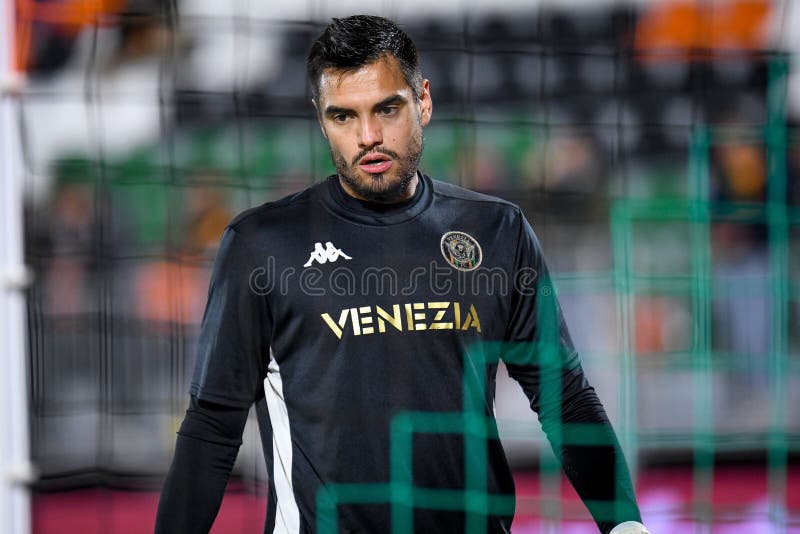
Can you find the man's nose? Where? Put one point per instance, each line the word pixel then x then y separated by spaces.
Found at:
pixel 370 134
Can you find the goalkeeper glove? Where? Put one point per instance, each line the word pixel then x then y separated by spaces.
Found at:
pixel 630 527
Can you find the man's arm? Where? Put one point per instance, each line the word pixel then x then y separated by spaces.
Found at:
pixel 232 357
pixel 540 355
pixel 584 441
pixel 206 448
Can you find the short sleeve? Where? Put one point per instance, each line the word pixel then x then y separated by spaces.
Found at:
pixel 233 348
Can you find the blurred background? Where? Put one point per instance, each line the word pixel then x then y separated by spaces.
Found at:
pixel 652 144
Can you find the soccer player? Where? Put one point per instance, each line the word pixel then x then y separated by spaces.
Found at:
pixel 375 293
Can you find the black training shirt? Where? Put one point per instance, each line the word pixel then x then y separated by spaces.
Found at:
pixel 336 316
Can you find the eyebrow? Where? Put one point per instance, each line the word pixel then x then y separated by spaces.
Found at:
pixel 388 101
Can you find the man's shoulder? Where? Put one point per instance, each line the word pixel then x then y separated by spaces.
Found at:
pixel 457 192
pixel 285 211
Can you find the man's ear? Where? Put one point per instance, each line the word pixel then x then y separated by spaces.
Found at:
pixel 425 103
pixel 319 119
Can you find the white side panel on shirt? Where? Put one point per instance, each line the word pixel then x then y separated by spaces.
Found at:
pixel 287 515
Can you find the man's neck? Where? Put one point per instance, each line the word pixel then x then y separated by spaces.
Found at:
pixel 407 194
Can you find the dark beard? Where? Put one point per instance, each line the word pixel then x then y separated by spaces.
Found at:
pixel 377 189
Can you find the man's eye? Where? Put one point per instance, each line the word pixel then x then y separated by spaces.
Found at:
pixel 388 111
pixel 340 117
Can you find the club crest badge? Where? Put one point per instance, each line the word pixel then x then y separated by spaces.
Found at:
pixel 461 250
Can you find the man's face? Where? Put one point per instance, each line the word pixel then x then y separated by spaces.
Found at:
pixel 374 125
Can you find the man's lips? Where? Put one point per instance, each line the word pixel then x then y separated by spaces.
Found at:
pixel 375 164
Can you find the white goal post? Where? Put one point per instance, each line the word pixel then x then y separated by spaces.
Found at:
pixel 15 467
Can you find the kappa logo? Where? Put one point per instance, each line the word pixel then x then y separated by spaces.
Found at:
pixel 324 255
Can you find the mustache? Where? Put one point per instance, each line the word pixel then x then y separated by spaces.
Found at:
pixel 384 151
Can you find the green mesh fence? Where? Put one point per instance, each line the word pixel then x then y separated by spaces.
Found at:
pixel 700 213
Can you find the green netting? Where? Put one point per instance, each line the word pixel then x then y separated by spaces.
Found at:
pixel 699 212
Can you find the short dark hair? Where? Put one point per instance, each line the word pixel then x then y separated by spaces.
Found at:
pixel 353 42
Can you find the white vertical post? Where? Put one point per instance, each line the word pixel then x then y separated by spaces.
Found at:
pixel 15 470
